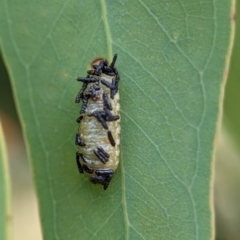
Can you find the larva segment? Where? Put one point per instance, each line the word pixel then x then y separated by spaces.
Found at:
pixel 99 123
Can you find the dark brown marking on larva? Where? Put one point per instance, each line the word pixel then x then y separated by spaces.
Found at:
pixel 111 139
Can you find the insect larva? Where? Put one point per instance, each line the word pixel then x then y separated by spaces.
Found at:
pixel 98 137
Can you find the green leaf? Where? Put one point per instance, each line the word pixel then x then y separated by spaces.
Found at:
pixel 4 191
pixel 232 96
pixel 172 57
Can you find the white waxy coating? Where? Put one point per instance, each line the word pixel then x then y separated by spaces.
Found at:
pixel 94 135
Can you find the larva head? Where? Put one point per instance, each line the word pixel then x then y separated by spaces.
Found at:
pixel 96 61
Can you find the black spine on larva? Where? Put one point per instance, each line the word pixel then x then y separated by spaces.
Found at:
pixel 100 115
pixel 112 86
pixel 84 105
pixel 106 101
pixel 91 72
pixel 104 172
pixel 101 154
pixel 92 91
pixel 87 79
pixel 80 93
pixel 78 141
pixel 79 119
pixel 84 158
pixel 80 169
pixel 99 67
pixel 98 106
pixel 87 169
pixel 108 115
pixel 111 139
pixel 113 61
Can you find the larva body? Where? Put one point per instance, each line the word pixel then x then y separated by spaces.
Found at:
pixel 99 123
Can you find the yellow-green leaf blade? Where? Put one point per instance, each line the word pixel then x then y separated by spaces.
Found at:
pixel 172 58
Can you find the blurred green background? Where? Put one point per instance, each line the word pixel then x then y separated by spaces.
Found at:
pixel 25 219
pixel 227 174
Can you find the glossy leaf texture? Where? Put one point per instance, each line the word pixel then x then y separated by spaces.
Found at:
pixel 171 58
pixel 5 223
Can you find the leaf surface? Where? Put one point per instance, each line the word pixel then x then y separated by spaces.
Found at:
pixel 172 57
